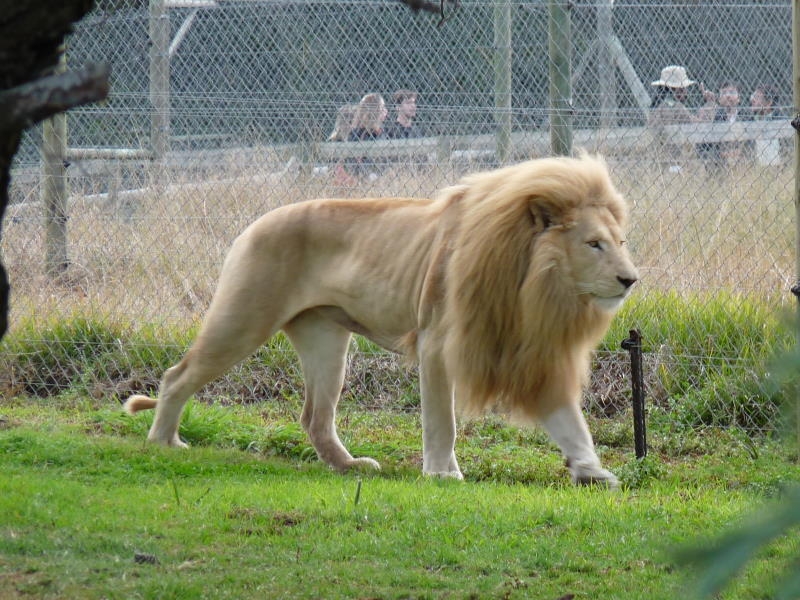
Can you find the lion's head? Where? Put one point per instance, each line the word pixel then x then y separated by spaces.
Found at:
pixel 539 266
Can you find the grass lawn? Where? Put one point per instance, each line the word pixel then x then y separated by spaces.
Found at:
pixel 87 510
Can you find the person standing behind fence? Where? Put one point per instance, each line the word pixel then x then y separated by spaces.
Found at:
pixel 368 120
pixel 340 133
pixel 669 108
pixel 406 106
pixel 766 151
pixel 343 124
pixel 722 108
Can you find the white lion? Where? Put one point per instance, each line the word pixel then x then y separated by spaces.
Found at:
pixel 501 288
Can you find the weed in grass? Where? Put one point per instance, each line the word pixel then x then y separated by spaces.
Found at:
pixel 637 473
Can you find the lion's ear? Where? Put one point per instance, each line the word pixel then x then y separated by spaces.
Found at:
pixel 542 216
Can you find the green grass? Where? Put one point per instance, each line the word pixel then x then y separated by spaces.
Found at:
pixel 88 510
pixel 709 356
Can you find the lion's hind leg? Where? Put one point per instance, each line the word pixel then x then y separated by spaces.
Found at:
pixel 322 347
pixel 222 342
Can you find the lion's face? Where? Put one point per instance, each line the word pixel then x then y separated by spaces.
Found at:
pixel 598 257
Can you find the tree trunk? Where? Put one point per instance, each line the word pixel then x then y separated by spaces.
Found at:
pixel 31 34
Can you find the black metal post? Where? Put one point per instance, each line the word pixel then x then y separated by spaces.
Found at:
pixel 796 293
pixel 634 345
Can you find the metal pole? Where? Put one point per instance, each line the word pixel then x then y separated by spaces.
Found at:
pixel 796 124
pixel 54 187
pixel 502 77
pixel 607 77
pixel 560 41
pixel 159 85
pixel 634 345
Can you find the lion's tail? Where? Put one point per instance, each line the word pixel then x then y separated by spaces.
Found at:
pixel 136 403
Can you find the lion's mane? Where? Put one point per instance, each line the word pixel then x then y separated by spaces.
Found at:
pixel 516 333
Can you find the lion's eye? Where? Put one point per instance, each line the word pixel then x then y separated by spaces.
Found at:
pixel 623 242
pixel 595 244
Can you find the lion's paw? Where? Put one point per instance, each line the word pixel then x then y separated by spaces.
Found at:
pixel 173 442
pixel 362 464
pixel 445 474
pixel 592 475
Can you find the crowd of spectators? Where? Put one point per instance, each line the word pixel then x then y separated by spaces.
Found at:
pixel 366 121
pixel 670 107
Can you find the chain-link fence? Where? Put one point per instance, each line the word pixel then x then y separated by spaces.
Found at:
pixel 220 110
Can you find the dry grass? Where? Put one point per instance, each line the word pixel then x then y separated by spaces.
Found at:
pixel 694 232
pixel 159 262
pixel 690 232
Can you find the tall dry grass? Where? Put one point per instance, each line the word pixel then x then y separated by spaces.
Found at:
pixel 696 232
pixel 157 259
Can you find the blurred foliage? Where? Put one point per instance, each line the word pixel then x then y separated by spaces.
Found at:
pixel 728 555
pixel 723 559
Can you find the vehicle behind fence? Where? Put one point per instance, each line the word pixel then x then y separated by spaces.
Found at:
pixel 221 110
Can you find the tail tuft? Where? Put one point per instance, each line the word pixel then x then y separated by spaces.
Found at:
pixel 136 403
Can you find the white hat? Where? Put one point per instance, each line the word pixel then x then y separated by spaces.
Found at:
pixel 674 76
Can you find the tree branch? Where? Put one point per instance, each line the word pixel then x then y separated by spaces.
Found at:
pixel 437 8
pixel 29 103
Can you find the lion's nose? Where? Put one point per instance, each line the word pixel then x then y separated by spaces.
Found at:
pixel 626 281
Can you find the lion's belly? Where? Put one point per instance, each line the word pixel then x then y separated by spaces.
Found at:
pixel 386 337
pixel 380 318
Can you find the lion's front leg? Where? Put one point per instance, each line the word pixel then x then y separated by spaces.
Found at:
pixel 438 416
pixel 568 429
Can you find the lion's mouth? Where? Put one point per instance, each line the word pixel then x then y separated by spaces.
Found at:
pixel 610 303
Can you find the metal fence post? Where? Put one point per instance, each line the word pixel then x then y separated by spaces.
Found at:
pixel 796 124
pixel 606 73
pixel 502 78
pixel 54 187
pixel 159 85
pixel 634 345
pixel 560 42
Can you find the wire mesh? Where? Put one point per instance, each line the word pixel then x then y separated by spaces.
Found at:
pixel 253 91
